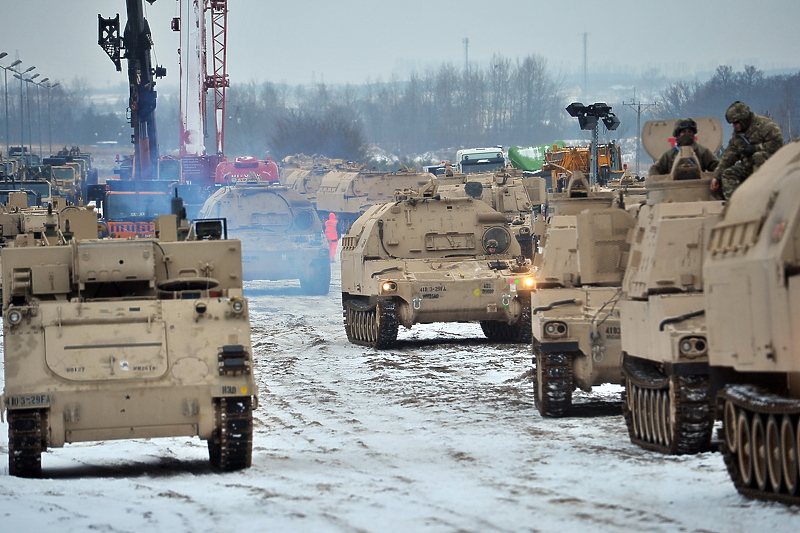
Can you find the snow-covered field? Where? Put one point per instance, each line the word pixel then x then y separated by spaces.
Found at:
pixel 439 434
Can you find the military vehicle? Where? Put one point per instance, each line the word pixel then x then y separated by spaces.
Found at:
pixel 348 193
pixel 667 401
pixel 121 339
pixel 345 188
pixel 752 303
pixel 281 234
pixel 427 258
pixel 304 173
pixel 575 317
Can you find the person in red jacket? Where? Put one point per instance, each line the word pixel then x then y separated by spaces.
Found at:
pixel 332 234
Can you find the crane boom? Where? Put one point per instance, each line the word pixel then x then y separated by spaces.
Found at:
pixel 218 80
pixel 136 41
pixel 197 167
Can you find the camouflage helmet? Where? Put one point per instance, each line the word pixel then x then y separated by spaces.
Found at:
pixel 682 124
pixel 738 112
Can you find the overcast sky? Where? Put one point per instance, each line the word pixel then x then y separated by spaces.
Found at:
pixel 354 41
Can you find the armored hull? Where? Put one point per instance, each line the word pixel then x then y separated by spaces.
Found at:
pixel 280 232
pixel 575 316
pixel 119 339
pixel 430 259
pixel 752 302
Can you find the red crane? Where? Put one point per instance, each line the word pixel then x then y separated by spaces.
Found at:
pixel 196 165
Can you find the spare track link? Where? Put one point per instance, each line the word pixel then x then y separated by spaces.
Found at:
pixel 231 446
pixel 750 402
pixel 372 325
pixel 26 442
pixel 675 417
pixel 554 370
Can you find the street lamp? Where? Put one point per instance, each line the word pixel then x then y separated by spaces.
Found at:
pixel 28 82
pixel 19 75
pixel 49 119
pixel 588 118
pixel 39 113
pixel 5 100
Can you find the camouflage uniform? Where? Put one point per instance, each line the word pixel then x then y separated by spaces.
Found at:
pixel 748 149
pixel 708 161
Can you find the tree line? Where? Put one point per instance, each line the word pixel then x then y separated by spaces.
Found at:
pixel 507 102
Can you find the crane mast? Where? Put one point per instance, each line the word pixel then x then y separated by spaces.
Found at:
pixel 218 80
pixel 195 78
pixel 136 41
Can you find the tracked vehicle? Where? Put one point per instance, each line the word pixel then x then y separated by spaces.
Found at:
pixel 575 316
pixel 668 399
pixel 427 258
pixel 752 300
pixel 280 232
pixel 121 339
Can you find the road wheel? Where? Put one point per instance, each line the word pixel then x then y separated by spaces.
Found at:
pixel 744 444
pixel 789 453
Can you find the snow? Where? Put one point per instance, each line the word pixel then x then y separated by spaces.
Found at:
pixel 437 435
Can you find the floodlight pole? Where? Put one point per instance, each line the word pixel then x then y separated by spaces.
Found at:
pixel 593 156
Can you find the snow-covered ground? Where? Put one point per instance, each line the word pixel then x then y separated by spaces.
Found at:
pixel 437 435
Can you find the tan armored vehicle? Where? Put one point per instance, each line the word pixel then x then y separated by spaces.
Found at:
pixel 752 302
pixel 304 173
pixel 120 339
pixel 667 402
pixel 427 258
pixel 345 188
pixel 280 232
pixel 575 316
pixel 349 193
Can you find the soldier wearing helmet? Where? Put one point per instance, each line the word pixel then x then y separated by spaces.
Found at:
pixel 684 133
pixel 754 140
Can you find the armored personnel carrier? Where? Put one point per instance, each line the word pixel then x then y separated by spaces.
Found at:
pixel 427 258
pixel 752 303
pixel 575 317
pixel 121 339
pixel 668 401
pixel 280 232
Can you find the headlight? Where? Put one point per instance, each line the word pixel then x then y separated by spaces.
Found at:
pixel 388 286
pixel 237 305
pixel 528 282
pixel 14 317
pixel 555 329
pixel 692 347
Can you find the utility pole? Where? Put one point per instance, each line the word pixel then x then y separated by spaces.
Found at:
pixel 585 63
pixel 637 106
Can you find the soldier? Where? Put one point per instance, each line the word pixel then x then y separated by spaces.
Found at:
pixel 754 140
pixel 684 133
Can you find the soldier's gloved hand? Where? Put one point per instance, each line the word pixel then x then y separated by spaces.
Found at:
pixel 749 150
